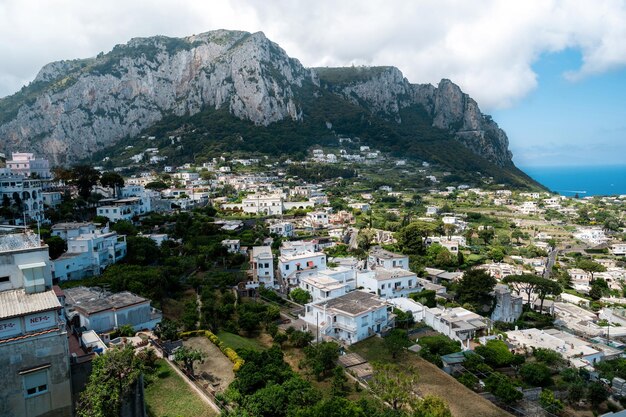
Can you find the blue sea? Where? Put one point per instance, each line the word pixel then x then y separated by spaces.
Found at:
pixel 582 180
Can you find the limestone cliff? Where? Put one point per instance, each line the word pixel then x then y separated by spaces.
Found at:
pixel 74 108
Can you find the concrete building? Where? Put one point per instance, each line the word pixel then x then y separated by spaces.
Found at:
pixel 457 323
pixel 27 165
pixel 317 219
pixel 295 265
pixel 262 266
pixel 329 283
pixel 388 283
pixel 102 311
pixel 125 208
pixel 232 245
pixel 350 318
pixel 267 204
pixel 284 229
pixel 34 351
pixel 15 189
pixel 387 259
pixel 508 305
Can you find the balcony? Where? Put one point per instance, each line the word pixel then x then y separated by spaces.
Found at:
pixel 343 326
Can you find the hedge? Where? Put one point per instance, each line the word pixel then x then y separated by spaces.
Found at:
pixel 229 352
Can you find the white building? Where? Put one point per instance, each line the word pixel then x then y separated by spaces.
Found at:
pixel 350 318
pixel 329 283
pixel 27 165
pixel 89 253
pixel 457 323
pixel 16 189
pixel 387 259
pixel 284 229
pixel 52 198
pixel 102 311
pixel 125 208
pixel 317 219
pixel 293 266
pixel 34 348
pixel 262 266
pixel 592 235
pixel 267 204
pixel 578 352
pixel 232 245
pixel 388 283
pixel 618 249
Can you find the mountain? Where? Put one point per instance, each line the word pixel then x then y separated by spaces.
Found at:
pixel 232 90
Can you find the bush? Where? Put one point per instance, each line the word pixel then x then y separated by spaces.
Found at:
pixel 228 352
pixel 536 374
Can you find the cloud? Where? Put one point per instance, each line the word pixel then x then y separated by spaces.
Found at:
pixel 488 48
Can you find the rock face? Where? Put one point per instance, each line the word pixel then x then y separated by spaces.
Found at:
pixel 74 108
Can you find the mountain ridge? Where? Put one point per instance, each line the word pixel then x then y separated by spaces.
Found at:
pixel 77 107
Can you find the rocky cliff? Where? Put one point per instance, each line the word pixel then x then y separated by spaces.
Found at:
pixel 74 108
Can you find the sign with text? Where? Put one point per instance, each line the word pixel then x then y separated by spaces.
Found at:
pixel 40 321
pixel 10 328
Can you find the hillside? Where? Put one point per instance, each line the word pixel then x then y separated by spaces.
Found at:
pixel 236 91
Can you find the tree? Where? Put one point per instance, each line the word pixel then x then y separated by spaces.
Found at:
pixel 338 383
pixel 487 235
pixel 500 386
pixel 394 384
pixel 549 403
pixel 300 296
pixel 126 330
pixel 248 321
pixel 589 266
pixel 535 374
pixel 112 180
pixel 395 342
pixel 596 393
pixel 364 239
pixel 56 246
pixel 523 283
pixel 188 356
pixel 411 237
pixel 599 288
pixel 84 177
pixel 333 407
pixel 496 353
pixel 517 235
pixel 320 358
pixel 497 254
pixel 300 339
pixel 167 330
pixel 431 406
pixel 113 376
pixel 547 287
pixel 475 288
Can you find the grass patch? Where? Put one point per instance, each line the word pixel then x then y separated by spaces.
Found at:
pixel 167 395
pixel 238 342
pixel 372 349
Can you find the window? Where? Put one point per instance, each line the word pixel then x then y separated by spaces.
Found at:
pixel 35 383
pixel 4 279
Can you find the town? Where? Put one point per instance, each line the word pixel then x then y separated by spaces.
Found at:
pixel 334 270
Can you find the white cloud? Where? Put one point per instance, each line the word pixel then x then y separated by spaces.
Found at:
pixel 488 48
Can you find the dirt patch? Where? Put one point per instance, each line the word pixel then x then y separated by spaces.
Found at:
pixel 216 371
pixel 461 400
pixel 265 340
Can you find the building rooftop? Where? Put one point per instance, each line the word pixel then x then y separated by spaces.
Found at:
pixel 355 303
pixel 15 303
pixel 299 255
pixel 18 241
pixel 323 282
pixel 90 300
pixel 382 274
pixel 379 252
pixel 261 251
pixel 71 225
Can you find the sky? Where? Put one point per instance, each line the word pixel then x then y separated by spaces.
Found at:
pixel 552 73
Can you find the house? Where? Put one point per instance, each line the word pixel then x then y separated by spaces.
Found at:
pixel 317 219
pixel 27 165
pixel 329 283
pixel 508 305
pixel 72 230
pixel 292 266
pixel 90 253
pixel 101 311
pixel 124 209
pixel 34 348
pixel 28 192
pixel 618 249
pixel 388 283
pixel 349 318
pixel 268 204
pixel 457 323
pixel 387 259
pixel 408 305
pixel 262 266
pixel 52 198
pixel 232 245
pixel 578 352
pixel 284 229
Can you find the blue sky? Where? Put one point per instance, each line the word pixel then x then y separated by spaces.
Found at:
pixel 563 122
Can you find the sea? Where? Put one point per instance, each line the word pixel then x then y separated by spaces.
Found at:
pixel 582 180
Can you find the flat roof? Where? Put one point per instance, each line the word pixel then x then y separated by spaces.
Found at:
pixel 382 274
pixel 355 303
pixel 15 303
pixel 385 254
pixel 92 300
pixel 18 241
